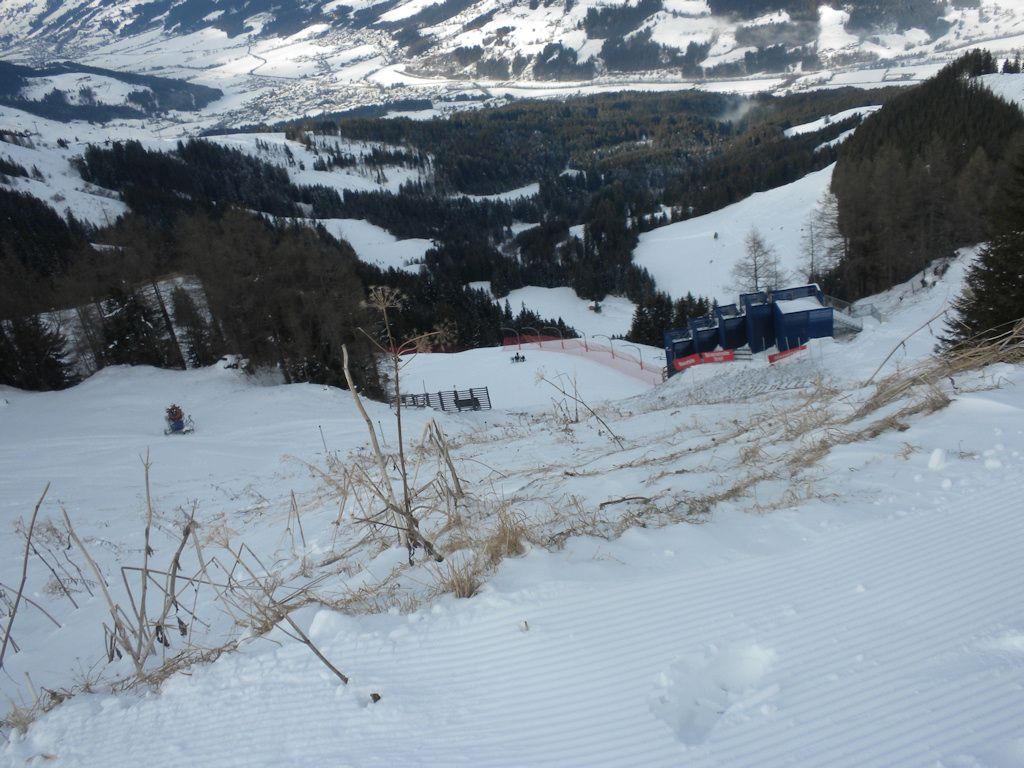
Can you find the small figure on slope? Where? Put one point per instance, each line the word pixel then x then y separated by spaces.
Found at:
pixel 177 421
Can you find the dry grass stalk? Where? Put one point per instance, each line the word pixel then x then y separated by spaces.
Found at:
pixel 294 512
pixel 509 538
pixel 377 452
pixel 24 576
pixel 120 630
pixel 410 535
pixel 383 299
pixel 1005 347
pixel 574 396
pixel 147 551
pixel 31 602
pixel 462 579
pixel 277 611
pixel 438 439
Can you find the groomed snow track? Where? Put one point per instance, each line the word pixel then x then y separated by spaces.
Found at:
pixel 870 646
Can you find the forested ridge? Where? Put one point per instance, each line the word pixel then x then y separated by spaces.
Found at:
pixel 920 177
pixel 612 165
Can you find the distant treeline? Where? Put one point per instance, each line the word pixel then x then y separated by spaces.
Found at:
pixel 609 167
pixel 285 296
pixel 920 177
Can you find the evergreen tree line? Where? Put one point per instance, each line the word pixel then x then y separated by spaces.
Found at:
pixel 992 301
pixel 201 175
pixel 491 150
pixel 204 176
pixel 283 296
pixel 468 317
pixel 759 160
pixel 918 178
pixel 197 175
pixel 658 313
pixel 10 168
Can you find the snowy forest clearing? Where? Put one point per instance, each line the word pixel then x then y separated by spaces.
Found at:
pixel 847 599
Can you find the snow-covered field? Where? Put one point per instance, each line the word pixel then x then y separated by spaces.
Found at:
pixel 331 64
pixel 614 319
pixel 697 255
pixel 856 606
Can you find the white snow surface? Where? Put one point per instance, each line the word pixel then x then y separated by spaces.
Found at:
pixel 614 319
pixel 106 90
pixel 375 245
pixel 788 306
pixel 862 610
pixel 820 123
pixel 687 257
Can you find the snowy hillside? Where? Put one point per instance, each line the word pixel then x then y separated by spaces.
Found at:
pixel 697 255
pixel 847 600
pixel 275 60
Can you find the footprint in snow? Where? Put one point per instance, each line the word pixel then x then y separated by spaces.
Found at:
pixel 698 691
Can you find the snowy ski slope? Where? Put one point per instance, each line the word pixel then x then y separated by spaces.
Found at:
pixel 860 611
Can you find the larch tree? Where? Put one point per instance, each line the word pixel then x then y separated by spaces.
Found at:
pixel 759 269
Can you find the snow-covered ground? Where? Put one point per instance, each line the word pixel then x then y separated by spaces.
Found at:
pixel 823 122
pixel 697 255
pixel 614 319
pixel 849 606
pixel 333 66
pixel 856 606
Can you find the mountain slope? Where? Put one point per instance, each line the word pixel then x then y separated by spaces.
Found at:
pixel 285 59
pixel 862 615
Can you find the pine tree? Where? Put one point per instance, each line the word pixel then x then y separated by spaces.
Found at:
pixel 129 331
pixel 993 296
pixel 33 356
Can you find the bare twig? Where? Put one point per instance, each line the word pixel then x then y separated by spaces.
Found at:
pixel 24 575
pixel 283 610
pixel 170 593
pixel 580 401
pixel 56 577
pixel 142 642
pixel 437 438
pixel 298 518
pixel 377 452
pixel 623 500
pixel 120 631
pixel 906 338
pixel 34 604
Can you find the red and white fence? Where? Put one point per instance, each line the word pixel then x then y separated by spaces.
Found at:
pixel 609 355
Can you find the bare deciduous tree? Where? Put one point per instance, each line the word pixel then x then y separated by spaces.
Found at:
pixel 759 269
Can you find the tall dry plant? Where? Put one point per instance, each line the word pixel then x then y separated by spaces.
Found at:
pixel 386 300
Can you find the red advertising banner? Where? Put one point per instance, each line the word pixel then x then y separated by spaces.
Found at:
pixel 682 363
pixel 724 356
pixel 782 355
